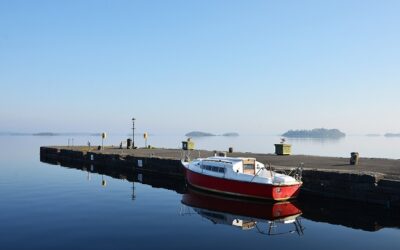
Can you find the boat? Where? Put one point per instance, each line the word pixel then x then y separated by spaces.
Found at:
pixel 266 217
pixel 245 177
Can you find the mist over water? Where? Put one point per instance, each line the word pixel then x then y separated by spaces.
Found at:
pixel 367 146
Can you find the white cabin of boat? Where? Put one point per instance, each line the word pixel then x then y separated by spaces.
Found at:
pixel 239 165
pixel 242 169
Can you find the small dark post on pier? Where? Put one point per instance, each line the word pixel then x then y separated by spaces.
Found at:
pixel 133 133
pixel 354 156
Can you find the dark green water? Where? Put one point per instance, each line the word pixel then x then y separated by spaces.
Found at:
pixel 45 206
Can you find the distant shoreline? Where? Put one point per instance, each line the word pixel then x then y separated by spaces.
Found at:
pixel 205 134
pixel 392 135
pixel 48 134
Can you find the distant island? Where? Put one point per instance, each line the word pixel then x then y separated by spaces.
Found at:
pixel 373 135
pixel 315 133
pixel 204 134
pixel 198 134
pixel 392 134
pixel 230 134
pixel 45 134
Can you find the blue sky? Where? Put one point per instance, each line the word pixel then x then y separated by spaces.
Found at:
pixel 176 66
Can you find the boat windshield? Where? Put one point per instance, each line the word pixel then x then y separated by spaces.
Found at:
pixel 213 168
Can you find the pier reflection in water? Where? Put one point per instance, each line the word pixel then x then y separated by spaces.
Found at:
pixel 262 217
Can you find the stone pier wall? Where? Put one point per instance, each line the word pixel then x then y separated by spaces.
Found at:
pixel 353 185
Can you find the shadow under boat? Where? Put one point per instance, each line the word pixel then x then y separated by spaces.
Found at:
pixel 265 217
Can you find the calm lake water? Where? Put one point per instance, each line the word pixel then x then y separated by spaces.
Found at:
pixel 46 206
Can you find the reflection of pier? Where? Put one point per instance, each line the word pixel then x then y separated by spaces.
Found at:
pixel 265 217
pixel 355 215
pixel 156 181
pixel 334 211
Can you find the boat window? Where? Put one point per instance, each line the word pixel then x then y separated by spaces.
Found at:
pixel 212 168
pixel 248 166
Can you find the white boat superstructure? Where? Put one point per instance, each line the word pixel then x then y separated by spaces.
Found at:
pixel 239 169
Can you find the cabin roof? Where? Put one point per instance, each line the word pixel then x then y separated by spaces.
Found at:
pixel 227 159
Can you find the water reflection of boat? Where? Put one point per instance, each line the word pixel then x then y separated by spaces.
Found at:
pixel 265 217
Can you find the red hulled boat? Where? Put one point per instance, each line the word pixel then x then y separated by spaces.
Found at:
pixel 244 177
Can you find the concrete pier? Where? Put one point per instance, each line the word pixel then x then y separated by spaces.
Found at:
pixel 373 180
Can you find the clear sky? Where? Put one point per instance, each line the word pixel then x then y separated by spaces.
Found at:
pixel 247 66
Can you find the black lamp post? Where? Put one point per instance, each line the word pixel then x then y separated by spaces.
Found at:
pixel 133 133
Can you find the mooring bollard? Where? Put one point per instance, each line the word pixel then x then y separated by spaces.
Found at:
pixel 354 156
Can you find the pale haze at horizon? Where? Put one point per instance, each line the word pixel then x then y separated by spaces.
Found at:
pixel 254 67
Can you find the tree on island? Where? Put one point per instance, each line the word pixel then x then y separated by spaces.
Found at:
pixel 315 133
pixel 198 134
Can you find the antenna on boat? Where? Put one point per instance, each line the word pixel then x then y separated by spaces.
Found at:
pixel 270 169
